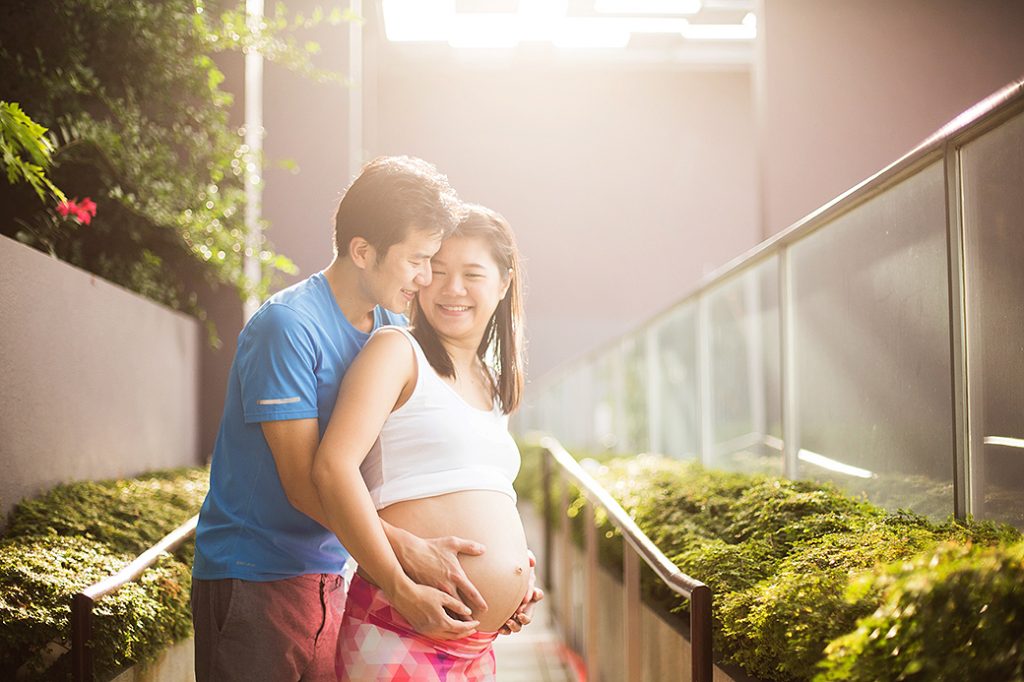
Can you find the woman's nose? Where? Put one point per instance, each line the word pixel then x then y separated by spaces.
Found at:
pixel 454 285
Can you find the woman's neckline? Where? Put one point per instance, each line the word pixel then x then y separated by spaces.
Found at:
pixel 458 395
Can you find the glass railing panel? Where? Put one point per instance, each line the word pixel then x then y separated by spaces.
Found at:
pixel 677 406
pixel 870 329
pixel 993 222
pixel 580 408
pixel 607 419
pixel 634 393
pixel 744 371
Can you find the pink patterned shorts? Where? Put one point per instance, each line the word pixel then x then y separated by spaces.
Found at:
pixel 377 644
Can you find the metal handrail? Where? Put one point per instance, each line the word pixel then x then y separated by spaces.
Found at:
pixel 642 547
pixel 83 602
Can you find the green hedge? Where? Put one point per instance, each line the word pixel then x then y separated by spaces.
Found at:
pixel 797 565
pixel 76 535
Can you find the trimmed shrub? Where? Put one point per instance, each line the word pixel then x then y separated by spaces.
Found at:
pixel 780 557
pixel 76 535
pixel 955 612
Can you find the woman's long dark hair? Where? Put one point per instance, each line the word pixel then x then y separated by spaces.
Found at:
pixel 501 348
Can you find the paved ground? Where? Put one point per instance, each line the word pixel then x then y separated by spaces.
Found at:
pixel 535 654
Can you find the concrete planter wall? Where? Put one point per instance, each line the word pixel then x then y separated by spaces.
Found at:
pixel 666 652
pixel 97 382
pixel 175 664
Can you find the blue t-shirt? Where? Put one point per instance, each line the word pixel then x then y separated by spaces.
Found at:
pixel 290 360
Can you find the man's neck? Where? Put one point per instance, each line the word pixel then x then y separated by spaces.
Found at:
pixel 344 280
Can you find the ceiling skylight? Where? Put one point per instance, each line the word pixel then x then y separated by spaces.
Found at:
pixel 605 24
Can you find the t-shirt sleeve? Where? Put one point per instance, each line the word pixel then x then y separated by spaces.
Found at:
pixel 276 366
pixel 395 319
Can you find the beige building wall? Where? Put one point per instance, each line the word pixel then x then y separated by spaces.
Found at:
pixel 97 382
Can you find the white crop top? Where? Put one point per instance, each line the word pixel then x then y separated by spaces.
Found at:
pixel 437 443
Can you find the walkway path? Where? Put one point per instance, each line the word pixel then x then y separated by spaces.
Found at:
pixel 536 654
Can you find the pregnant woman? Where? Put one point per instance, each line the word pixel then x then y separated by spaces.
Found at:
pixel 420 437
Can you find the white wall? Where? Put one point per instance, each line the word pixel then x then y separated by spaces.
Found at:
pixel 97 382
pixel 624 184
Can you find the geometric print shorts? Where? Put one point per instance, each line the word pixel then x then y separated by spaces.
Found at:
pixel 377 644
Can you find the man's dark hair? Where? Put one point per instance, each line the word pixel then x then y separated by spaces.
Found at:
pixel 392 195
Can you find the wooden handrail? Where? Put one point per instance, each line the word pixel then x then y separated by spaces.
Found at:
pixel 83 601
pixel 637 544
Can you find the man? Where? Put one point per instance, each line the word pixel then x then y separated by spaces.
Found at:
pixel 267 596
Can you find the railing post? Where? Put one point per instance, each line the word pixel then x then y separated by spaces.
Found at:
pixel 631 610
pixel 81 636
pixel 700 634
pixel 566 562
pixel 545 484
pixel 590 628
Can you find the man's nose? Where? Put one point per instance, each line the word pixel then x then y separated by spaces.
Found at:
pixel 425 275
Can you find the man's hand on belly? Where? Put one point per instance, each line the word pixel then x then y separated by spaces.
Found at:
pixel 427 610
pixel 435 562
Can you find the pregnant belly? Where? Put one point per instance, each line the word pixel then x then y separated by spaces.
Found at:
pixel 501 573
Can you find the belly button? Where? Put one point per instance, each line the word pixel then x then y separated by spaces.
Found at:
pixel 519 570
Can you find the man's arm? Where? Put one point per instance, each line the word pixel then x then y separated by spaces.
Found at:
pixel 293 443
pixel 429 561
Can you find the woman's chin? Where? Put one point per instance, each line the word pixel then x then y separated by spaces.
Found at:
pixel 453 330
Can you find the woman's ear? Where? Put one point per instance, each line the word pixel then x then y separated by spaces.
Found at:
pixel 508 283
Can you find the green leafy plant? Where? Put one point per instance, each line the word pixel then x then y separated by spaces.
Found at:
pixel 955 612
pixel 787 562
pixel 131 93
pixel 26 151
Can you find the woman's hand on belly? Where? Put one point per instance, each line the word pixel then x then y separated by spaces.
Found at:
pixel 503 581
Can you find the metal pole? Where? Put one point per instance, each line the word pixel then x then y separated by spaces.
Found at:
pixel 632 612
pixel 590 611
pixel 81 636
pixel 355 91
pixel 252 266
pixel 700 634
pixel 707 413
pixel 966 491
pixel 788 355
pixel 545 485
pixel 654 374
pixel 565 561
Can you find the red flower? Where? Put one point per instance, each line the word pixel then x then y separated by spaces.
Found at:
pixel 82 211
pixel 89 206
pixel 83 216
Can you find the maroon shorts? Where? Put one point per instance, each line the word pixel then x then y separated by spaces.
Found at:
pixel 279 631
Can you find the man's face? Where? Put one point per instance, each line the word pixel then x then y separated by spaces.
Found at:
pixel 395 277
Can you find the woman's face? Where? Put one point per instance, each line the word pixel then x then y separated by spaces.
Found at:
pixel 466 288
